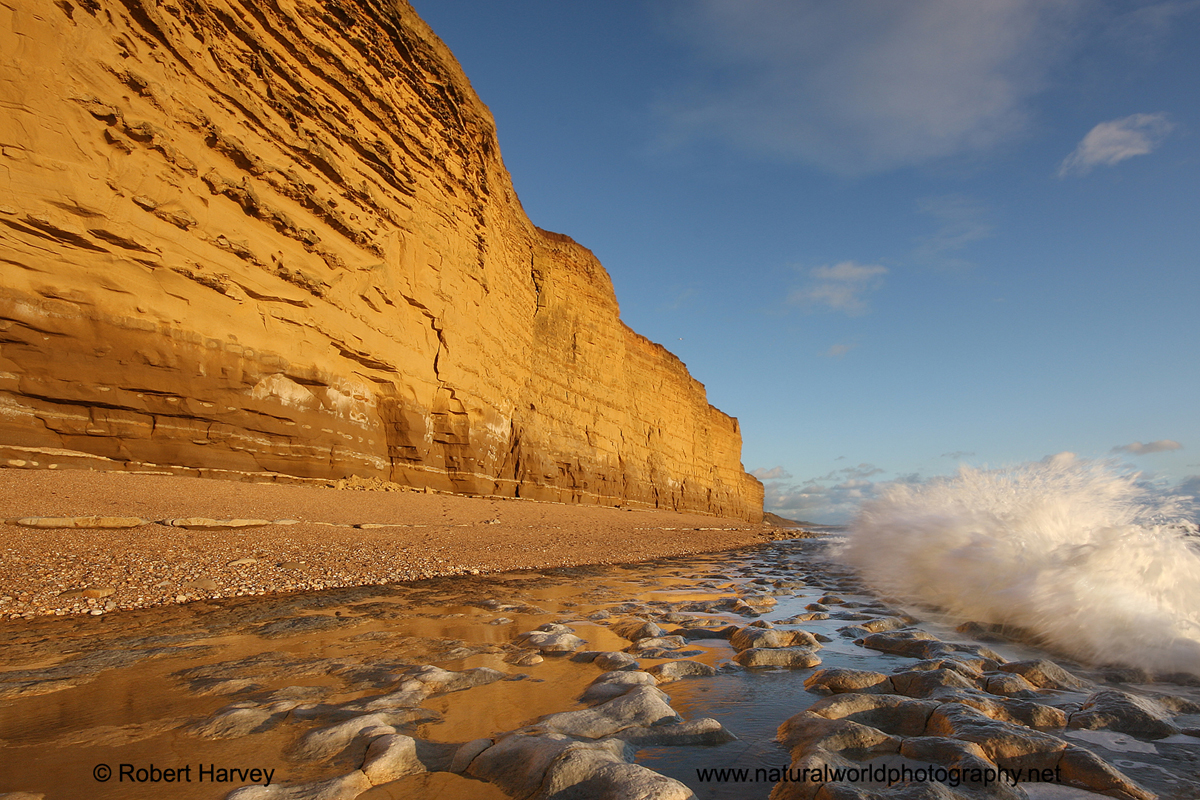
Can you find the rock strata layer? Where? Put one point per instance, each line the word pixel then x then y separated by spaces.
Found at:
pixel 276 239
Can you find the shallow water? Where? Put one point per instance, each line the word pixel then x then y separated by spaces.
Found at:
pixel 124 689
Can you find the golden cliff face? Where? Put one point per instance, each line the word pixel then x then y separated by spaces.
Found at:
pixel 276 238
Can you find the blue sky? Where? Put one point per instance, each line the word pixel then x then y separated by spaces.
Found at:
pixel 889 237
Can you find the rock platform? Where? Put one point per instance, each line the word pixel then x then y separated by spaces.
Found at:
pixel 584 682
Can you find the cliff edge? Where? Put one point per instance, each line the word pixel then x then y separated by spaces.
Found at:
pixel 275 239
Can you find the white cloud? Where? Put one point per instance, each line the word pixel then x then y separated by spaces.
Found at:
pixel 811 502
pixel 1112 142
pixel 835 504
pixel 862 86
pixel 1139 449
pixel 814 501
pixel 772 474
pixel 837 497
pixel 841 287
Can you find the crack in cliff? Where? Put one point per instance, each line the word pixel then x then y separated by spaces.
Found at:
pixel 362 358
pixel 434 325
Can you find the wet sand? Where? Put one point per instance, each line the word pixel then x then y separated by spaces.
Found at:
pixel 171 687
pixel 318 538
pixel 313 666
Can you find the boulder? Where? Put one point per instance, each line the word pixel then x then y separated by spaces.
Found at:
pixel 923 683
pixel 835 680
pixel 616 683
pixel 1046 674
pixel 615 660
pixel 241 719
pixel 751 637
pixel 692 633
pixel 517 763
pixel 1009 685
pixel 343 787
pixel 658 643
pixel 807 731
pixel 391 757
pixel 1021 712
pixel 676 670
pixel 899 716
pixel 641 705
pixel 693 732
pixel 465 754
pixel 636 629
pixel 326 742
pixel 550 642
pixel 816 761
pixel 599 773
pixel 1120 711
pixel 790 657
pixel 1005 744
pixel 1084 768
pixel 916 644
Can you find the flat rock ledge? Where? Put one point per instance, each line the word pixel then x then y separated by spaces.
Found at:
pixel 945 706
pixel 572 754
pixel 108 523
pixel 957 716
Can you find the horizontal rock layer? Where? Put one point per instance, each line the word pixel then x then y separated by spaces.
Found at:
pixel 276 239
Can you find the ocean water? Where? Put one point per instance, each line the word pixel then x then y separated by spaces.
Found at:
pixel 1083 557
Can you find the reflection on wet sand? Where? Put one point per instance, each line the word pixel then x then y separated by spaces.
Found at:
pixel 309 686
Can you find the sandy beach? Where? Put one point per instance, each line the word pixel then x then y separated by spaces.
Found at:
pixel 390 644
pixel 315 538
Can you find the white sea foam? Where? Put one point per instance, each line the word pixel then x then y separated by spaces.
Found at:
pixel 1078 553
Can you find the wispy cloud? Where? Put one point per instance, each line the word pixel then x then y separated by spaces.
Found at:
pixel 682 299
pixel 957 454
pixel 960 221
pixel 1139 449
pixel 839 350
pixel 840 287
pixel 1112 142
pixel 863 470
pixel 1144 29
pixel 772 474
pixel 862 86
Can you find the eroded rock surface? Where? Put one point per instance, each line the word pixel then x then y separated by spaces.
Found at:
pixel 278 240
pixel 394 696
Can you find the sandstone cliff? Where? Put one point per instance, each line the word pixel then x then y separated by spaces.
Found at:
pixel 275 238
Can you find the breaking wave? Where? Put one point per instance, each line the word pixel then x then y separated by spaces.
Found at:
pixel 1084 557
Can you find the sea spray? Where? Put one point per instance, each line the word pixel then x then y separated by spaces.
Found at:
pixel 1081 555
